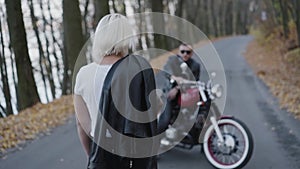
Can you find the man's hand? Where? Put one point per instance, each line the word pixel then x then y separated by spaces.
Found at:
pixel 172 93
pixel 178 79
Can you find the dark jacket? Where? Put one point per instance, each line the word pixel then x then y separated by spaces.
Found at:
pixel 172 67
pixel 125 114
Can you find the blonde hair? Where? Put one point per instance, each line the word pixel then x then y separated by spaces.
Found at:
pixel 114 35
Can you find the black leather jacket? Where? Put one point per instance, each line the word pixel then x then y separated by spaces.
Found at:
pixel 127 92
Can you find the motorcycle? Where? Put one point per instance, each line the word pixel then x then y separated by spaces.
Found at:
pixel 196 120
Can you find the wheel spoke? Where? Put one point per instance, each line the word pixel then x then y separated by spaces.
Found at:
pixel 231 160
pixel 233 130
pixel 225 129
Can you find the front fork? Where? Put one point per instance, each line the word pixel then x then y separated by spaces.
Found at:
pixel 212 119
pixel 217 129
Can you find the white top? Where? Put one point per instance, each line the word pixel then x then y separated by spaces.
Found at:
pixel 89 83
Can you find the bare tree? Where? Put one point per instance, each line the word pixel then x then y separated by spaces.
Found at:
pixel 297 9
pixel 40 47
pixel 2 111
pixel 47 62
pixel 26 89
pixel 85 19
pixel 3 70
pixel 179 8
pixel 213 18
pixel 285 18
pixel 57 49
pixel 159 40
pixel 101 9
pixel 73 40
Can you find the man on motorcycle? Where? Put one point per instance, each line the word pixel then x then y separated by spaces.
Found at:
pixel 174 69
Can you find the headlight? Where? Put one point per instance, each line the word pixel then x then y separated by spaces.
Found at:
pixel 217 90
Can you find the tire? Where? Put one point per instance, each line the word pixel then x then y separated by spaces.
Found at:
pixel 238 147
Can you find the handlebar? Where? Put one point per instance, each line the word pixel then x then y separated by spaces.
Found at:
pixel 191 83
pixel 200 85
pixel 213 91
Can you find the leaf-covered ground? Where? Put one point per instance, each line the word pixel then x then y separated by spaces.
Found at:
pixel 15 130
pixel 280 72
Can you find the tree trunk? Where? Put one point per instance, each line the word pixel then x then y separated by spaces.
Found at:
pixel 54 49
pixel 234 17
pixel 297 6
pixel 3 70
pixel 179 8
pixel 213 18
pixel 101 9
pixel 114 6
pixel 40 46
pixel 228 19
pixel 224 16
pixel 246 18
pixel 140 22
pixel 27 90
pixel 48 63
pixel 206 21
pixel 193 12
pixel 199 20
pixel 85 20
pixel 285 18
pixel 2 111
pixel 73 40
pixel 123 11
pixel 6 89
pixel 159 40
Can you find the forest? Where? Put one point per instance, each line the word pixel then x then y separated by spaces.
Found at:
pixel 41 39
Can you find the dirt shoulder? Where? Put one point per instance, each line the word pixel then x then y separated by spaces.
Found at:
pixel 280 72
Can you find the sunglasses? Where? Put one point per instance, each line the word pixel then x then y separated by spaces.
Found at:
pixel 186 51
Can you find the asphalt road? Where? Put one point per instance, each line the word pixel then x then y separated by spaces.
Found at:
pixel 275 132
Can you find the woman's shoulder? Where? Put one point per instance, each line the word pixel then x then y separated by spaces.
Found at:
pixel 92 66
pixel 88 66
pixel 88 69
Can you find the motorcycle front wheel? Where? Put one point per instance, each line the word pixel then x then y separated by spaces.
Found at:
pixel 235 151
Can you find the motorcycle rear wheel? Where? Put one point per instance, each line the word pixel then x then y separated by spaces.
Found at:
pixel 237 148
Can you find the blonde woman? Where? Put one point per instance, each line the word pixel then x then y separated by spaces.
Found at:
pixel 111 99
